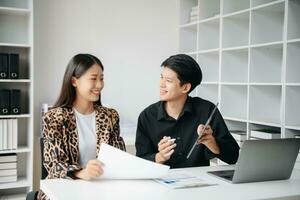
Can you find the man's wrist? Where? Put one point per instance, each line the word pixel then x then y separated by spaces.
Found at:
pixel 158 158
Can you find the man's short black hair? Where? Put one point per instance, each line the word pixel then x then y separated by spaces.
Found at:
pixel 186 68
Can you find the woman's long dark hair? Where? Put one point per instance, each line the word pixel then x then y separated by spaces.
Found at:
pixel 77 66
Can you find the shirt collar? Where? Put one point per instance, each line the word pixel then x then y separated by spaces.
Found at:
pixel 162 114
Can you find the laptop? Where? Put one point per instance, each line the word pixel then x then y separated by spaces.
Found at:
pixel 263 160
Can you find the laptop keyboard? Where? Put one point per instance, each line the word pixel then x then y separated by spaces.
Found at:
pixel 226 174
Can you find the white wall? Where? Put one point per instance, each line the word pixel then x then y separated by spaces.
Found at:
pixel 131 37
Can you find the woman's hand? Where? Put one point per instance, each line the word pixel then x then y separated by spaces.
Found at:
pixel 92 170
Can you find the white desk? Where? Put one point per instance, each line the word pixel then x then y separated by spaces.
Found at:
pixel 58 189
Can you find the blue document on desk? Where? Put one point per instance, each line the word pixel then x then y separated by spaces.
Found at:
pixel 121 165
pixel 181 179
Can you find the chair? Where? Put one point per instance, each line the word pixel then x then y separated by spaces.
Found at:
pixel 32 195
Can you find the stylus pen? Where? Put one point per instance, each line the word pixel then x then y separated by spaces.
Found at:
pixel 206 124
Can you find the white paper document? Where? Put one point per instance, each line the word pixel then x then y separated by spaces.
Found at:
pixel 121 165
pixel 180 179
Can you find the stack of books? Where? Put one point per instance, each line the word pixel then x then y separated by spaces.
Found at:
pixel 8 134
pixel 194 14
pixel 8 168
pixel 265 134
pixel 239 135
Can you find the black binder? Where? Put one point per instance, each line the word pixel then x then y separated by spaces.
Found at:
pixel 15 101
pixel 3 66
pixel 13 66
pixel 4 102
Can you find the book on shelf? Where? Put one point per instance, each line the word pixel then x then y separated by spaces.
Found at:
pixel 13 66
pixel 7 179
pixel 8 134
pixel 8 172
pixel 193 18
pixel 8 157
pixel 8 165
pixel 194 13
pixel 3 65
pixel 297 136
pixel 194 8
pixel 265 134
pixel 239 135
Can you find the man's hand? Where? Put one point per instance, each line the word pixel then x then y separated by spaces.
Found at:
pixel 92 170
pixel 165 149
pixel 208 139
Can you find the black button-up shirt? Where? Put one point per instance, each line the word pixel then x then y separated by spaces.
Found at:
pixel 154 123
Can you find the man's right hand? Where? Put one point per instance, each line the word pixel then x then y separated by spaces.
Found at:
pixel 92 170
pixel 165 149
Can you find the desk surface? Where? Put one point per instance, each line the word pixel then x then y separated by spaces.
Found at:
pixel 58 189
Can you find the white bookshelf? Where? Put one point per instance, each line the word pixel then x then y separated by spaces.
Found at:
pixel 249 52
pixel 16 36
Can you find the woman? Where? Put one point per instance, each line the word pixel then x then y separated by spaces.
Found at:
pixel 78 123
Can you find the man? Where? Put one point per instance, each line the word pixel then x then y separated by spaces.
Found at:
pixel 167 130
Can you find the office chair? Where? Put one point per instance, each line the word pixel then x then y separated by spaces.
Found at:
pixel 32 195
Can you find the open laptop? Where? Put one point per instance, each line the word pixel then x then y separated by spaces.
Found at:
pixel 263 160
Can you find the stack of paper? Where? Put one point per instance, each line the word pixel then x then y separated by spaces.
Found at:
pixel 8 168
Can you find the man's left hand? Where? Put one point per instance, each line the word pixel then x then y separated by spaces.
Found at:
pixel 208 139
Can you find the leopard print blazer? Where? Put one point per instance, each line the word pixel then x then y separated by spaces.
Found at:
pixel 61 147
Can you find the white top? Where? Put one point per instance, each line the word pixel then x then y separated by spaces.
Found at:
pixel 86 129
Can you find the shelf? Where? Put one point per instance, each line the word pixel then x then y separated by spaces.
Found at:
pixel 14 45
pixel 234 101
pixel 209 92
pixel 292 63
pixel 14 11
pixel 264 60
pixel 23 149
pixel 230 6
pixel 292 107
pixel 293 40
pixel 188 38
pixel 15 116
pixel 294 128
pixel 267 24
pixel 208 8
pixel 185 11
pixel 236 30
pixel 209 83
pixel 22 182
pixel 265 104
pixel 237 120
pixel 15 80
pixel 265 123
pixel 208 35
pixel 209 63
pixel 235 66
pixel 293 31
pixel 257 4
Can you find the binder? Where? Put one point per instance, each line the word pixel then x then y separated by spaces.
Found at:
pixel 14 134
pixel 13 66
pixel 4 102
pixel 1 134
pixel 5 135
pixel 3 65
pixel 15 100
